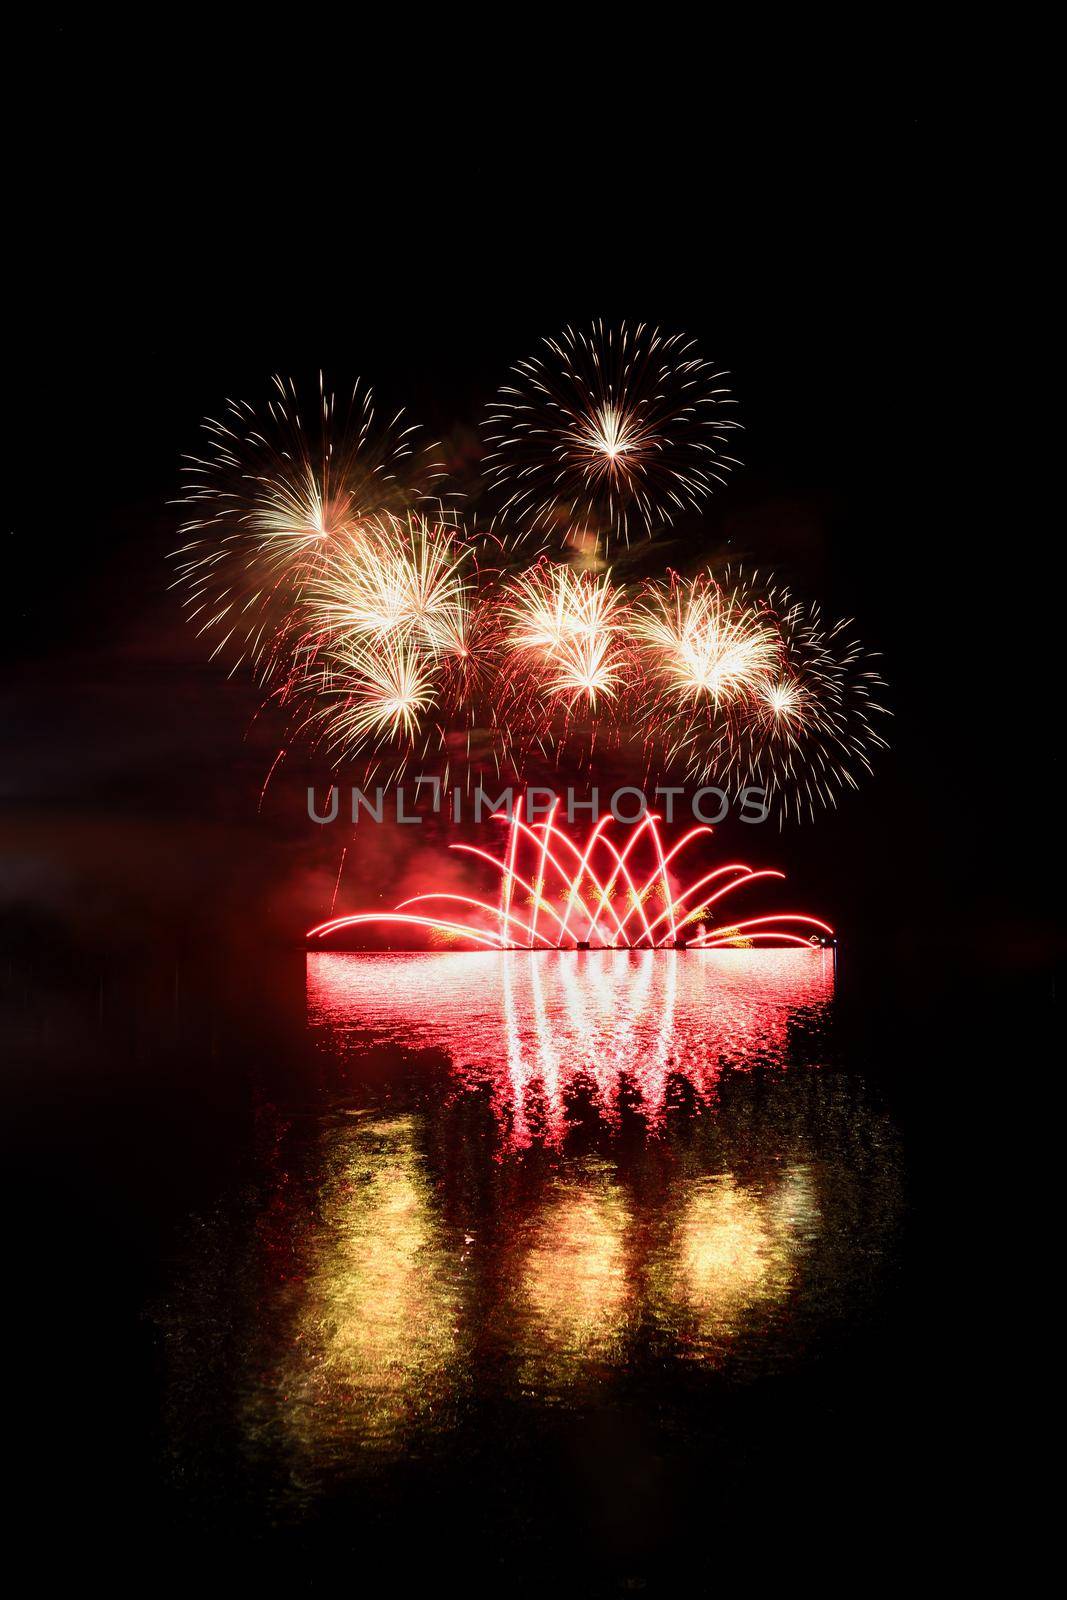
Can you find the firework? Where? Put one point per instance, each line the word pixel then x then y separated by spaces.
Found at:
pixel 568 890
pixel 266 501
pixel 393 575
pixel 565 659
pixel 374 694
pixel 812 727
pixel 609 433
pixel 704 643
pixel 388 632
pixel 746 687
pixel 387 614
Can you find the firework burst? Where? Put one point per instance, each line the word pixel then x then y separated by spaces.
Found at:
pixel 564 653
pixel 393 575
pixel 265 502
pixel 703 643
pixel 743 687
pixel 813 724
pixel 373 694
pixel 609 433
pixel 389 625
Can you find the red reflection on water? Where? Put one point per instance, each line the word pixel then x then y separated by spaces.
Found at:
pixel 537 1029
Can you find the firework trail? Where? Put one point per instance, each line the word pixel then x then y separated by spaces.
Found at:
pixel 570 891
pixel 608 433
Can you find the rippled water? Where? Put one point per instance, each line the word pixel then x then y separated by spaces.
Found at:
pixel 534 1030
pixel 523 1189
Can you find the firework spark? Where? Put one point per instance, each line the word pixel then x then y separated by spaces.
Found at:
pixel 608 433
pixel 373 694
pixel 388 616
pixel 393 575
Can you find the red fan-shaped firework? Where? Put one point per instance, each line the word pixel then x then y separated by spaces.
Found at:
pixel 555 893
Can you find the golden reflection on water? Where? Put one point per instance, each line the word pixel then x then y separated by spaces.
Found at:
pixel 715 1260
pixel 377 1349
pixel 375 1334
pixel 735 1250
pixel 573 1298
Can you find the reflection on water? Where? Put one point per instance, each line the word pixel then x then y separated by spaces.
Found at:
pixel 375 1321
pixel 615 1025
pixel 632 1172
pixel 572 1298
pixel 734 1250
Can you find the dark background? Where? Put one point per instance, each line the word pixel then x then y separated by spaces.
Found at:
pixel 184 227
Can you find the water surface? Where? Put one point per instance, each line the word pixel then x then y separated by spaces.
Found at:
pixel 523 1223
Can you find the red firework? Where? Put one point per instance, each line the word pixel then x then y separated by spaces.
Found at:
pixel 555 894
